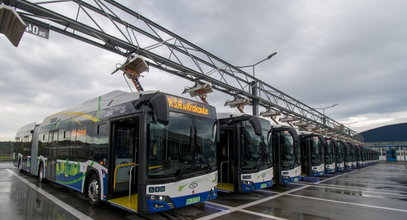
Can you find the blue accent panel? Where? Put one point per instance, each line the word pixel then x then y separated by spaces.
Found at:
pixel 179 201
pixel 64 180
pixel 315 173
pixel 247 187
pixel 329 170
pixel 287 180
pixel 104 178
pixel 310 179
pixel 268 184
pixel 339 169
pixel 163 206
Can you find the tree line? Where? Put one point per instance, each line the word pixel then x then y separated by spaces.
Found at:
pixel 6 150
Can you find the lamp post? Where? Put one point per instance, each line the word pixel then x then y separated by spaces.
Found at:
pixel 349 126
pixel 253 84
pixel 261 61
pixel 351 123
pixel 323 112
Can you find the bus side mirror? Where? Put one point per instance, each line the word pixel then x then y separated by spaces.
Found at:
pixel 255 122
pixel 160 107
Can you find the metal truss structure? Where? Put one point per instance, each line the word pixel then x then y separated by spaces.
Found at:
pixel 114 27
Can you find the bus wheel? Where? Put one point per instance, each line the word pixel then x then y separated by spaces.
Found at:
pixel 93 190
pixel 41 174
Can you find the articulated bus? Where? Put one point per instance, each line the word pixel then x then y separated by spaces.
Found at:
pixel 340 156
pixel 330 163
pixel 144 152
pixel 286 154
pixel 244 154
pixel 312 153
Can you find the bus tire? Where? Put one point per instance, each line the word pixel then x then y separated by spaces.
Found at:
pixel 41 173
pixel 93 190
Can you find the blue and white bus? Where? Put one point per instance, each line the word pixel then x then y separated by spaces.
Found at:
pixel 144 152
pixel 245 156
pixel 286 154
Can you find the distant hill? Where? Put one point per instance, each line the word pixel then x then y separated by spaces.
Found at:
pixel 6 150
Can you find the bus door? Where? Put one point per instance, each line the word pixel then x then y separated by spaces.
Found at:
pixel 124 163
pixel 225 161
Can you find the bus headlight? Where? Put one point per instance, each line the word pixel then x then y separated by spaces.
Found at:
pixel 160 198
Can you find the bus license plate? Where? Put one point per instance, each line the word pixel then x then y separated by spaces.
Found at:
pixel 193 200
pixel 263 185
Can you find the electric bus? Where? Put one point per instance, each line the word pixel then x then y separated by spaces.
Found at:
pixel 349 156
pixel 340 156
pixel 144 152
pixel 353 152
pixel 312 153
pixel 244 154
pixel 329 150
pixel 359 156
pixel 286 154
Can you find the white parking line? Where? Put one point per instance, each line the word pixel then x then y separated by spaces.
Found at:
pixel 349 203
pixel 242 207
pixel 330 186
pixel 369 183
pixel 229 210
pixel 54 199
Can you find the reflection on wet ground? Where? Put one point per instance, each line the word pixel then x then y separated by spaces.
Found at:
pixel 376 192
pixel 19 201
pixel 238 199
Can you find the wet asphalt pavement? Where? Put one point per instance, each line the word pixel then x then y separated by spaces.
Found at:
pixel 375 192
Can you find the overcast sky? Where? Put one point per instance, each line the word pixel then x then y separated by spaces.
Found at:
pixel 345 52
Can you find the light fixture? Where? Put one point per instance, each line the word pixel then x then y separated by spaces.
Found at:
pixel 319 130
pixel 132 68
pixel 270 113
pixel 238 102
pixel 310 127
pixel 199 89
pixel 11 24
pixel 287 119
pixel 135 65
pixel 300 123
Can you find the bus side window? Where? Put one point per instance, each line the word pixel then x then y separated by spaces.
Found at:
pixel 102 130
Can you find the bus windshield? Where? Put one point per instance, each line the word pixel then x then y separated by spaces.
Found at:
pixel 315 150
pixel 329 151
pixel 267 150
pixel 185 145
pixel 250 143
pixel 287 148
pixel 339 152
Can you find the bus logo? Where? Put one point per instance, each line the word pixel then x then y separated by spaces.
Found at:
pixel 193 185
